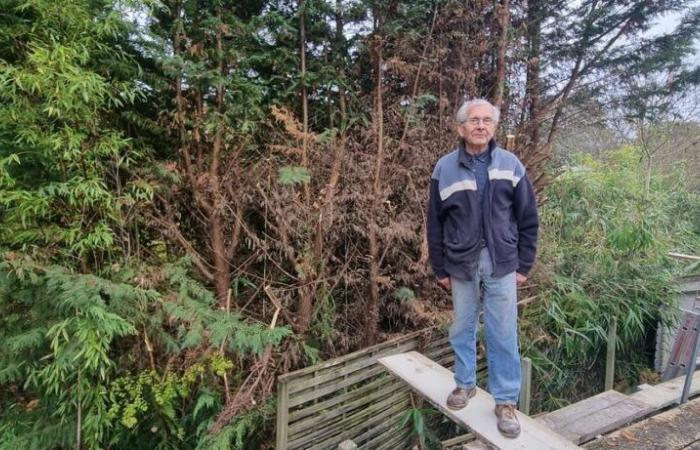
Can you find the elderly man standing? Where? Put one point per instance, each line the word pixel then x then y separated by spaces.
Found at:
pixel 482 234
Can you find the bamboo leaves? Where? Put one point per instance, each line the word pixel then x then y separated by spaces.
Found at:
pixel 604 244
pixel 57 147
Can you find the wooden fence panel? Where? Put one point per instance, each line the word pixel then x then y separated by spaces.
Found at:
pixel 353 397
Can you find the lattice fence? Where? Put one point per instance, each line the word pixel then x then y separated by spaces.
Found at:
pixel 353 397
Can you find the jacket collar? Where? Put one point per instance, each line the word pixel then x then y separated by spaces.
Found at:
pixel 467 160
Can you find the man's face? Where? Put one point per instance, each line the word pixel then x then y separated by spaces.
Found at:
pixel 479 127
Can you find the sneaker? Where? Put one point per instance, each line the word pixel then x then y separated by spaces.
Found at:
pixel 508 423
pixel 459 397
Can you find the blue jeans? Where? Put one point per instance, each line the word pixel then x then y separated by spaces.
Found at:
pixel 500 321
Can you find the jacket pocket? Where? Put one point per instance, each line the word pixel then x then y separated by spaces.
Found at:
pixel 505 244
pixel 458 238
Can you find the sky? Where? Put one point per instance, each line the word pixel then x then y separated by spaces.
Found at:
pixel 669 22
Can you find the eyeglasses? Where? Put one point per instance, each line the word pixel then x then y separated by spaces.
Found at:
pixel 476 120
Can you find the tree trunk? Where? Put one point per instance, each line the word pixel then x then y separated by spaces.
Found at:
pixel 304 98
pixel 373 307
pixel 222 275
pixel 503 14
pixel 218 242
pixel 306 290
pixel 532 86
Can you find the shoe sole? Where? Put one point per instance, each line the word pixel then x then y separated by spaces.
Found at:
pixel 509 435
pixel 472 394
pixel 457 408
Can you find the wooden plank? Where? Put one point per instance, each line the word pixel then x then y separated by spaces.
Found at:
pixel 435 383
pixel 584 420
pixel 673 429
pixel 526 386
pixel 339 371
pixel 281 429
pixel 457 440
pixel 478 445
pixel 400 440
pixel 379 434
pixel 684 256
pixel 415 336
pixel 610 355
pixel 367 419
pixel 578 417
pixel 667 393
pixel 355 426
pixel 440 351
pixel 364 375
pixel 379 382
pixel 574 411
pixel 441 341
pixel 321 420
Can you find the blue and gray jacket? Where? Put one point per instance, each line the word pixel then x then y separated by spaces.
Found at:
pixel 455 216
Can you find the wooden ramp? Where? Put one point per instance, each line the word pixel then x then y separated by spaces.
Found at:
pixel 435 382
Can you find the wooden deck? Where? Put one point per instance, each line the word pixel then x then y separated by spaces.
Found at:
pixel 607 411
pixel 675 429
pixel 435 382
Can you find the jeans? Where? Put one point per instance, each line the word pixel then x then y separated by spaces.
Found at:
pixel 500 321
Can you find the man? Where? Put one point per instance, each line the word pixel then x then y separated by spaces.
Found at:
pixel 482 233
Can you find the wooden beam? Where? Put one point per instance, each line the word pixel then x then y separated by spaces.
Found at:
pixel 435 382
pixel 610 357
pixel 683 256
pixel 282 415
pixel 525 386
pixel 604 412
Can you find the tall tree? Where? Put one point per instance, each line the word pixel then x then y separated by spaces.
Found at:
pixel 585 47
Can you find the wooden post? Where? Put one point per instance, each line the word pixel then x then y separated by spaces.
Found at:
pixel 690 366
pixel 525 386
pixel 510 142
pixel 610 359
pixel 282 414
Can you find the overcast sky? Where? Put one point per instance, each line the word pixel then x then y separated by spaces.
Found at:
pixel 670 22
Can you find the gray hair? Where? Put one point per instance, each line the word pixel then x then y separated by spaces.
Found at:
pixel 463 111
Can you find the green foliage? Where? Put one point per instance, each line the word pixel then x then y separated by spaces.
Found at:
pixel 603 246
pixel 294 175
pixel 106 330
pixel 60 328
pixel 61 158
pixel 417 418
pixel 165 411
pixel 405 294
pixel 242 432
pixel 324 331
pixel 192 308
pixel 60 331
